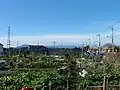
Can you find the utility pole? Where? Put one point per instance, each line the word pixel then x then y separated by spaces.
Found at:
pixel 112 39
pixel 61 45
pixel 50 84
pixel 94 43
pixel 17 43
pixel 89 42
pixel 67 82
pixel 54 43
pixel 18 50
pixel 38 43
pixel 83 45
pixel 8 41
pixel 99 43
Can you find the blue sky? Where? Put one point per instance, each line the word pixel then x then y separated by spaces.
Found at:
pixel 57 17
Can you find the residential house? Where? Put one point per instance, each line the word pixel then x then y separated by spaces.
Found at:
pixel 33 48
pixel 108 48
pixel 1 49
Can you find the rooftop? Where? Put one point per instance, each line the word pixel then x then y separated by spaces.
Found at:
pixel 1 44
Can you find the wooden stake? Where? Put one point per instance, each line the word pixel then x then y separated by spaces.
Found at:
pixel 35 85
pixel 105 83
pixel 50 85
pixel 67 85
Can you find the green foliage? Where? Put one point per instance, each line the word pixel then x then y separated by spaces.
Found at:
pixel 96 71
pixel 45 62
pixel 31 79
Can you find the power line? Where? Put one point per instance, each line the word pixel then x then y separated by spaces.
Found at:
pixel 112 29
pixel 110 26
pixel 116 23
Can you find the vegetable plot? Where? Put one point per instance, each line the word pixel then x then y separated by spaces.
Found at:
pixel 32 79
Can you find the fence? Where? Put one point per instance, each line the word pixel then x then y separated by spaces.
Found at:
pixel 105 86
pixel 115 87
pixel 95 88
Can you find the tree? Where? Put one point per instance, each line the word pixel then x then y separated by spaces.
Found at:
pixel 86 48
pixel 73 72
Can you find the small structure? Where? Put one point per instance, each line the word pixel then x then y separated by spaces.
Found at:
pixel 33 48
pixel 1 49
pixel 108 48
pixel 3 63
pixel 93 49
pixel 38 48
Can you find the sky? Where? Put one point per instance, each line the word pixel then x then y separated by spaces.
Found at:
pixel 62 21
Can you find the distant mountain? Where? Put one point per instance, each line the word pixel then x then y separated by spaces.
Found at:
pixel 63 46
pixel 21 46
pixel 50 46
